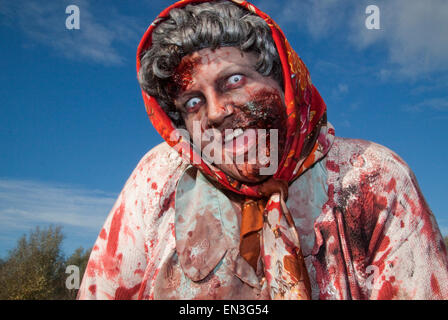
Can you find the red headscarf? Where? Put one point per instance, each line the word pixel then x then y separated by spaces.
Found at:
pixel 309 137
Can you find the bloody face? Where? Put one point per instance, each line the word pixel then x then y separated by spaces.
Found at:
pixel 220 91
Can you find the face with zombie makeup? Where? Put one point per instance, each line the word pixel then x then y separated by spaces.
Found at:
pixel 220 91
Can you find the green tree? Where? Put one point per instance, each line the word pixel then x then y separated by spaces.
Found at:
pixel 35 268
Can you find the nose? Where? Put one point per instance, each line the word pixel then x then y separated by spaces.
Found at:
pixel 217 110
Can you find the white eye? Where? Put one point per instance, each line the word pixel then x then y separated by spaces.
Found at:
pixel 235 79
pixel 192 103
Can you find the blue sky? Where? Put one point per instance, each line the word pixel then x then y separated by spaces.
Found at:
pixel 73 124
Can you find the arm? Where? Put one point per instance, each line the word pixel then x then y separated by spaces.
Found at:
pixel 119 258
pixel 407 253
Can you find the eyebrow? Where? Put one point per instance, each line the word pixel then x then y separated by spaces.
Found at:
pixel 235 70
pixel 183 95
pixel 224 74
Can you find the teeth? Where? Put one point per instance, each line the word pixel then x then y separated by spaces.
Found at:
pixel 236 133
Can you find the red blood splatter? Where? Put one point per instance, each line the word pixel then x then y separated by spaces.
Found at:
pixel 114 232
pixel 362 215
pixel 92 268
pixel 381 262
pixel 123 293
pixel 414 208
pixel 391 185
pixel 435 285
pixel 167 203
pixel 128 232
pixel 264 110
pixel 331 199
pixel 396 209
pixel 417 210
pixel 139 271
pixel 149 159
pixel 267 261
pixel 103 234
pixel 357 160
pixel 173 229
pixel 384 244
pixel 399 159
pixel 289 245
pixel 331 165
pixel 155 274
pixel 92 289
pixel 95 248
pixel 268 265
pixel 154 186
pixel 183 76
pixel 387 291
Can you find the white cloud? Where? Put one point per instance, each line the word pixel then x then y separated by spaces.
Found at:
pixel 97 39
pixel 343 88
pixel 24 203
pixel 414 33
pixel 339 91
pixel 27 204
pixel 318 18
pixel 436 104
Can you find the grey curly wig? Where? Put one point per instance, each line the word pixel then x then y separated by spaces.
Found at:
pixel 195 27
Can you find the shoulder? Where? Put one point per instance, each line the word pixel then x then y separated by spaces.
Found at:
pixel 159 163
pixel 373 187
pixel 364 154
pixel 356 161
pixel 154 179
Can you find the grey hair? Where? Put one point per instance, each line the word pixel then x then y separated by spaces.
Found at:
pixel 195 27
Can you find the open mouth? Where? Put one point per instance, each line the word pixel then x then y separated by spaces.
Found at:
pixel 241 141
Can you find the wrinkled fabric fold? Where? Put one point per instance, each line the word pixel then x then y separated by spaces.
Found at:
pixel 285 268
pixel 251 224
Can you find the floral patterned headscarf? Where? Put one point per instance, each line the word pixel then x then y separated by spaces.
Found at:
pixel 308 139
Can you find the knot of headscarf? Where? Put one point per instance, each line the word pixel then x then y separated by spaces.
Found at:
pixel 254 214
pixel 252 218
pixel 264 212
